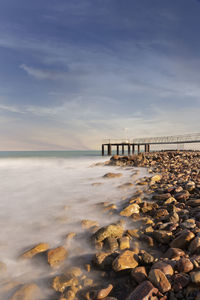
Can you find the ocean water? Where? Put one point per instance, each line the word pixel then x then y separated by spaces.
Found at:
pixel 43 197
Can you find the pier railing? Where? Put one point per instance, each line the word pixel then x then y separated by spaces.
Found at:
pixel 131 143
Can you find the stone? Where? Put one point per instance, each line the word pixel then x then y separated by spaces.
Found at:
pixel 126 185
pixel 60 283
pixel 26 292
pixel 190 186
pixel 194 246
pixel 104 292
pixel 124 243
pixel 124 261
pixel 56 256
pixel 113 230
pixel 146 258
pixel 104 260
pixel 113 175
pixel 111 244
pixel 156 178
pixel 89 223
pixel 180 281
pixel 195 277
pixel 182 240
pixel 139 274
pixel 166 268
pixel 188 224
pixel 193 202
pixel 39 248
pixel 73 272
pixel 174 253
pixel 70 295
pixel 183 195
pixel 184 265
pixel 144 291
pixel 162 236
pixel 129 210
pixel 162 197
pixel 158 278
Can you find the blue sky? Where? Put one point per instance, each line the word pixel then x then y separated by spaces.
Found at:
pixel 73 72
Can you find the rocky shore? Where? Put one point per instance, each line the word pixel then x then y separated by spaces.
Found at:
pixel 152 252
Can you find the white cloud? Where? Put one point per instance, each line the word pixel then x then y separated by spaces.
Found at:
pixel 43 74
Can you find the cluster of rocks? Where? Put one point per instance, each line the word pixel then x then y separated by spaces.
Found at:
pixel 151 253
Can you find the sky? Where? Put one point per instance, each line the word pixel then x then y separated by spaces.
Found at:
pixel 74 72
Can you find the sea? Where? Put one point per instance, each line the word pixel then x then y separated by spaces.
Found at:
pixel 44 195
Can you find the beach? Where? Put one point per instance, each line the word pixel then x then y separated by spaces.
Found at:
pixel 82 228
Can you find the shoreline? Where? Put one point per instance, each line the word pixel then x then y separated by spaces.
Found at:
pixel 152 252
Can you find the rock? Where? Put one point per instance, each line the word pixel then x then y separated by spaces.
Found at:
pixel 111 244
pixel 194 246
pixel 26 292
pixel 89 223
pixel 182 240
pixel 188 224
pixel 56 256
pixel 73 272
pixel 113 175
pixel 193 202
pixel 104 260
pixel 174 253
pixel 129 210
pixel 162 197
pixel 195 277
pixel 126 260
pixel 42 247
pixel 113 230
pixel 60 283
pixel 146 258
pixel 184 265
pixel 183 195
pixel 126 185
pixel 70 236
pixel 190 186
pixel 139 274
pixel 162 236
pixel 166 268
pixel 124 243
pixel 104 292
pixel 69 295
pixel 180 281
pixel 158 278
pixel 133 233
pixel 155 178
pixel 160 213
pixel 144 291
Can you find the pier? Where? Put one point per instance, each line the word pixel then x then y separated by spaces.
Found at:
pixel 136 145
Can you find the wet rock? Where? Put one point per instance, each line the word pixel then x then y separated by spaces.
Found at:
pixel 104 292
pixel 166 268
pixel 126 260
pixel 190 186
pixel 42 247
pixel 193 202
pixel 188 224
pixel 182 240
pixel 104 260
pixel 158 278
pixel 89 223
pixel 26 292
pixel 162 197
pixel 113 230
pixel 195 277
pixel 139 274
pixel 56 256
pixel 60 283
pixel 70 295
pixel 113 175
pixel 174 253
pixel 184 195
pixel 126 185
pixel 180 281
pixel 73 272
pixel 124 243
pixel 160 213
pixel 156 178
pixel 146 258
pixel 70 236
pixel 111 244
pixel 144 291
pixel 162 236
pixel 194 246
pixel 184 265
pixel 129 210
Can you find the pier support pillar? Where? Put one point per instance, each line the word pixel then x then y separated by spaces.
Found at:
pixel 109 150
pixel 122 149
pixel 102 150
pixel 129 149
pixel 148 147
pixel 138 149
pixel 133 149
pixel 145 148
pixel 117 149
